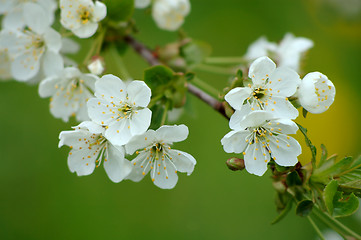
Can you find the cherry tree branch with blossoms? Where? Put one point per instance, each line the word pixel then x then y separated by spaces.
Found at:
pixel 123 122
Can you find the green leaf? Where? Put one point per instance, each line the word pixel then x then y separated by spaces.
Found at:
pixel 283 213
pixel 309 144
pixel 239 74
pixel 329 194
pixel 158 76
pixel 323 155
pixel 304 112
pixel 195 52
pixel 352 172
pixel 293 179
pixel 119 10
pixel 304 208
pixel 344 205
pixel 352 187
pixel 157 114
pixel 336 169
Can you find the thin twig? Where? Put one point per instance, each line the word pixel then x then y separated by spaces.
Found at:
pixel 147 54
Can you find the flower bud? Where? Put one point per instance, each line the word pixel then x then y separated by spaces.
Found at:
pixel 96 66
pixel 235 164
pixel 316 92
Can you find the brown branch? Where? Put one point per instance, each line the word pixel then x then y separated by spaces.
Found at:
pixel 147 54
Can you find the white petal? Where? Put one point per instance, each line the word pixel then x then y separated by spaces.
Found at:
pixel 52 63
pixel 281 108
pixel 261 47
pixel 14 20
pixel 71 138
pixel 140 167
pixel 260 70
pixel 92 127
pixel 116 166
pixel 86 30
pixel 170 134
pixel 35 17
pixel 118 133
pixel 166 179
pixel 285 151
pixel 235 141
pixel 139 93
pixel 283 82
pixel 101 111
pixel 62 105
pixel 255 119
pixel 238 116
pixel 283 125
pixel 53 40
pixel 47 86
pixel 183 161
pixel 25 67
pixel 140 141
pixel 256 159
pixel 81 166
pixel 100 11
pixel 140 121
pixel 111 88
pixel 236 96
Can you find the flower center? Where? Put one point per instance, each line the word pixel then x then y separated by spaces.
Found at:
pixel 126 109
pixel 84 14
pixel 258 93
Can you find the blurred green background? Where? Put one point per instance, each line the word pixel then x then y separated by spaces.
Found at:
pixel 41 199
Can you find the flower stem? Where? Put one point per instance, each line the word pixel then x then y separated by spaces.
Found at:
pixel 319 233
pixel 215 69
pixel 147 55
pixel 95 47
pixel 225 60
pixel 165 113
pixel 334 224
pixel 206 87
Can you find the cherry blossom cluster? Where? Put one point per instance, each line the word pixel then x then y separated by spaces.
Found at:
pixel 264 112
pixel 113 114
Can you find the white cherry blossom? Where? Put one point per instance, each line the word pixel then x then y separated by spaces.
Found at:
pixel 288 53
pixel 316 92
pixel 14 11
pixel 82 16
pixel 142 3
pixel 156 155
pixel 89 149
pixel 69 91
pixel 170 14
pixel 269 91
pixel 260 136
pixel 121 108
pixel 35 50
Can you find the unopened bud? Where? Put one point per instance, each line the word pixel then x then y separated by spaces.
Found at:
pixel 96 66
pixel 235 164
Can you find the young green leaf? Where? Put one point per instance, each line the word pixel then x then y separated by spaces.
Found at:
pixel 309 144
pixel 344 205
pixel 329 194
